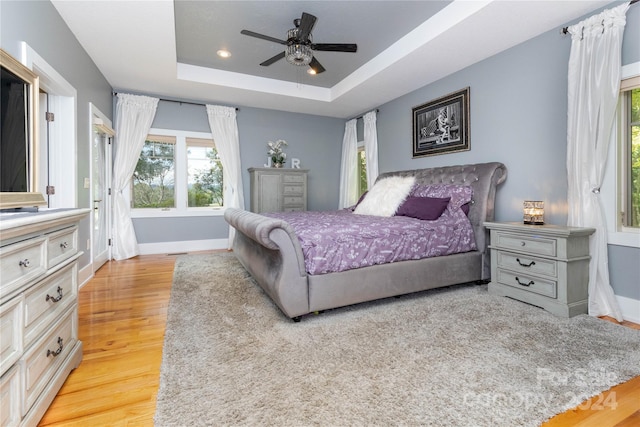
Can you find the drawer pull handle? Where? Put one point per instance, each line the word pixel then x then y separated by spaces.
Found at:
pixel 525 265
pixel 55 299
pixel 531 282
pixel 54 353
pixel 522 244
pixel 25 263
pixel 64 245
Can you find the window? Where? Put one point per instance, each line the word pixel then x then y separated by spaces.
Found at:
pixel 179 173
pixel 153 179
pixel 630 153
pixel 204 174
pixel 362 170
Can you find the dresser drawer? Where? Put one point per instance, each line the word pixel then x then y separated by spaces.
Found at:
pixel 48 299
pixel 42 360
pixel 524 264
pixel 293 189
pixel 299 178
pixel 533 284
pixel 293 200
pixel 292 209
pixel 20 263
pixel 10 398
pixel 11 338
pixel 525 243
pixel 61 245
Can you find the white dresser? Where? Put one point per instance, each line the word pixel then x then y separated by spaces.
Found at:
pixel 278 189
pixel 39 343
pixel 543 265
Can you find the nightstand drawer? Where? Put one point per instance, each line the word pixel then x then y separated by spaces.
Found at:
pixel 525 243
pixel 524 264
pixel 537 285
pixel 62 244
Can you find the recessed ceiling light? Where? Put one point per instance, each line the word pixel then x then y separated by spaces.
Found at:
pixel 223 53
pixel 311 71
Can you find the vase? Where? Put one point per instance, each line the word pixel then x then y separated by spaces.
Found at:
pixel 277 165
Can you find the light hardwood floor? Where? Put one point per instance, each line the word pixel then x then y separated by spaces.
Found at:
pixel 122 314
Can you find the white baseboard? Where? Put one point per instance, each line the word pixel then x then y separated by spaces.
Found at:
pixel 183 246
pixel 84 275
pixel 630 308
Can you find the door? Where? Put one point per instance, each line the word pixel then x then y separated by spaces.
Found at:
pixel 102 136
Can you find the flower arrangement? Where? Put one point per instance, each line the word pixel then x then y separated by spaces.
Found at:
pixel 278 157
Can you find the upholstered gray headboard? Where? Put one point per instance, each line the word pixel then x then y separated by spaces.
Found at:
pixel 482 177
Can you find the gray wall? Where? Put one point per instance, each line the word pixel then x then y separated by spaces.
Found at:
pixel 39 24
pixel 518 111
pixel 315 140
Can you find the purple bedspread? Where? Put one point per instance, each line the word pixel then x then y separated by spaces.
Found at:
pixel 341 240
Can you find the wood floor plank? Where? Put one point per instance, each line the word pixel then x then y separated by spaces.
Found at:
pixel 122 319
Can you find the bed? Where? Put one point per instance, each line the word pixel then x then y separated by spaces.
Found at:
pixel 271 251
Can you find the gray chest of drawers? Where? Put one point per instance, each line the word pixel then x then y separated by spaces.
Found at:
pixel 278 190
pixel 38 310
pixel 543 265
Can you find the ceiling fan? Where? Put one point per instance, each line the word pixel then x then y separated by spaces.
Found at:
pixel 300 46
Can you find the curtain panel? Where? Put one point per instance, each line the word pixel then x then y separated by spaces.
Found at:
pixel 134 115
pixel 348 168
pixel 593 89
pixel 224 129
pixel 371 147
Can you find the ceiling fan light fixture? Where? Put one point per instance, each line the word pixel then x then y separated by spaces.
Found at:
pixel 297 53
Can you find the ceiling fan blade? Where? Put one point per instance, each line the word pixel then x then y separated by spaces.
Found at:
pixel 273 59
pixel 335 47
pixel 316 66
pixel 306 25
pixel 262 36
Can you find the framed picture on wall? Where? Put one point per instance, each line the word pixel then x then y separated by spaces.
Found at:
pixel 442 126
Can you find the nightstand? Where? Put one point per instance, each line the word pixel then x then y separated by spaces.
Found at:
pixel 542 265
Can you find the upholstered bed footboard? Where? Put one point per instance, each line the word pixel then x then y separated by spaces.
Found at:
pixel 269 249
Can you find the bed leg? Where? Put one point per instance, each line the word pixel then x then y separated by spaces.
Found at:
pixel 296 319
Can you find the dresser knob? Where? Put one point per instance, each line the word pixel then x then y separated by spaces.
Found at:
pixel 25 263
pixel 64 245
pixel 522 243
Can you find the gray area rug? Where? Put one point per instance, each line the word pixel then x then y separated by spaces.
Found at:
pixel 450 357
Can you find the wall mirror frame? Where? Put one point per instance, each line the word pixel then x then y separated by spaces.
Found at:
pixel 29 198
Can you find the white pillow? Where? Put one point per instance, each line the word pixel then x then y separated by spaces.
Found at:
pixel 386 196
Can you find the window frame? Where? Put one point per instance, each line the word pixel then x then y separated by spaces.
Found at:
pixel 180 181
pixel 614 176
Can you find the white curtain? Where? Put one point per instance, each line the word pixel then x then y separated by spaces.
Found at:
pixel 224 130
pixel 371 147
pixel 349 169
pixel 593 88
pixel 134 115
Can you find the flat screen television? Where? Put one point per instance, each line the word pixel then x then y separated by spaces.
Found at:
pixel 18 135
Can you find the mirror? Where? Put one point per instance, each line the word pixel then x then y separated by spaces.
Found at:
pixel 18 135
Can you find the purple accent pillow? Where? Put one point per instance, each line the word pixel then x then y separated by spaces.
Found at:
pixel 425 208
pixel 460 194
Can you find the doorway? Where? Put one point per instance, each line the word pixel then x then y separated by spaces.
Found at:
pixel 101 162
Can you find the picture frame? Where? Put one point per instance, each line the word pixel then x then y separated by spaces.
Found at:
pixel 441 126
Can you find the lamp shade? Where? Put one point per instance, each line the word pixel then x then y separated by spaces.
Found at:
pixel 533 212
